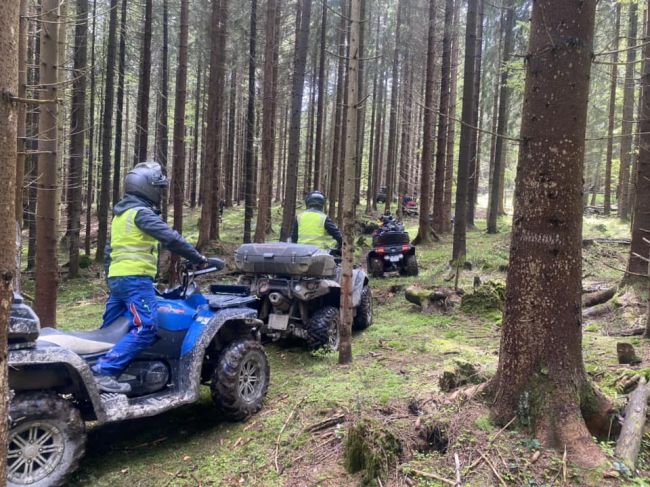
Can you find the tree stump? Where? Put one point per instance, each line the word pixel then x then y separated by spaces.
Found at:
pixel 626 354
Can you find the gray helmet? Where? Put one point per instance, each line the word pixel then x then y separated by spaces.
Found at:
pixel 147 181
pixel 315 199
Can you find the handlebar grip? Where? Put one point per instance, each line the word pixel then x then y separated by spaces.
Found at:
pixel 216 263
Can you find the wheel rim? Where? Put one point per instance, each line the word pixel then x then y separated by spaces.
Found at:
pixel 35 449
pixel 333 336
pixel 251 378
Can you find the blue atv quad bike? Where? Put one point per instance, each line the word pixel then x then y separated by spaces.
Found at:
pixel 211 338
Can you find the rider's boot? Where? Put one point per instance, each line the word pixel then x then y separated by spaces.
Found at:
pixel 107 383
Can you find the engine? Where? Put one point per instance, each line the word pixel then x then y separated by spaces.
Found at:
pixel 145 377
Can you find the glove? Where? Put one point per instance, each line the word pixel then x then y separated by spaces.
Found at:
pixel 212 262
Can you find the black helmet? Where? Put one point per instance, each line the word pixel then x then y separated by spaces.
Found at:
pixel 316 200
pixel 147 181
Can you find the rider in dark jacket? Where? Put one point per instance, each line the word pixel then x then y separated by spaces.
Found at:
pixel 131 267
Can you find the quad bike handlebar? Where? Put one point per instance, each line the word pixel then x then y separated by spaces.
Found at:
pixel 189 272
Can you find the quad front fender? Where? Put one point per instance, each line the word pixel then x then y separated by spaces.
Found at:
pixel 359 281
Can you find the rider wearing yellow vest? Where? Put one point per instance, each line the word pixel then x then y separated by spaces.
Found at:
pixel 131 264
pixel 313 226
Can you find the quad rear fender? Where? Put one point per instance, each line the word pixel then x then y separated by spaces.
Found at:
pixel 56 368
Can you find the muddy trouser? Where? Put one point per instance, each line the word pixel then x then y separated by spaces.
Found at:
pixel 135 297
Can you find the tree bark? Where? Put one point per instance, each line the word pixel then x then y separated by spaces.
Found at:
pixel 47 269
pixel 230 149
pixel 439 217
pixel 9 41
pixel 612 112
pixel 198 122
pixel 91 137
pixel 502 125
pixel 142 114
pixel 392 124
pixel 466 135
pixel 21 116
pixel 300 60
pixel 424 229
pixel 249 161
pixel 162 128
pixel 641 222
pixel 268 126
pixel 628 444
pixel 117 153
pixel 451 136
pixel 337 122
pixel 107 130
pixel 77 135
pixel 318 153
pixel 549 381
pixel 628 118
pixel 347 314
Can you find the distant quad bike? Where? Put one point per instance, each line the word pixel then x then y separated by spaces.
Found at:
pixel 298 287
pixel 202 339
pixel 381 195
pixel 410 206
pixel 392 250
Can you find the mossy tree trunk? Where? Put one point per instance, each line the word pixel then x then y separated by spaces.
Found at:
pixel 541 375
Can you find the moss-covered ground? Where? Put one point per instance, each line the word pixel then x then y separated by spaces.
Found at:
pixel 397 363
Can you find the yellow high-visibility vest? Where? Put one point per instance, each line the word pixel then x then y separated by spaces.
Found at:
pixel 311 229
pixel 133 252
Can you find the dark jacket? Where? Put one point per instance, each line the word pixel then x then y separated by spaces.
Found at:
pixel 330 227
pixel 148 220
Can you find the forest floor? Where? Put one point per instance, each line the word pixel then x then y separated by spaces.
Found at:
pixel 392 387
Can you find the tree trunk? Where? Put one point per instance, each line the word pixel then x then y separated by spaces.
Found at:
pixel 107 129
pixel 439 217
pixel 424 229
pixel 34 77
pixel 77 135
pixel 612 112
pixel 641 223
pixel 299 62
pixel 337 122
pixel 47 268
pixel 162 128
pixel 178 178
pixel 502 126
pixel 21 117
pixel 230 149
pixel 142 114
pixel 117 153
pixel 91 137
pixel 628 117
pixel 466 135
pixel 249 161
pixel 347 314
pixel 198 122
pixel 268 126
pixel 392 124
pixel 318 153
pixel 9 45
pixel 451 136
pixel 534 374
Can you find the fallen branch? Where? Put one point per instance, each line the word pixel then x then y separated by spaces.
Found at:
pixel 586 242
pixel 459 481
pixel 592 299
pixel 494 470
pixel 599 310
pixel 327 423
pixel 632 332
pixel 284 426
pixel 433 476
pixel 629 441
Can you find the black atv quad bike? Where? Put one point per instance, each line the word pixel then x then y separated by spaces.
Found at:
pixel 392 251
pixel 299 291
pixel 208 338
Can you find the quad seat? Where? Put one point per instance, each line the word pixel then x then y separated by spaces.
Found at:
pixel 87 342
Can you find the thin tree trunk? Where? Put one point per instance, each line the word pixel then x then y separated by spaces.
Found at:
pixel 474 152
pixel 47 268
pixel 268 125
pixel 162 127
pixel 612 112
pixel 249 162
pixel 77 135
pixel 107 130
pixel 230 149
pixel 392 124
pixel 142 115
pixel 197 132
pixel 91 137
pixel 502 126
pixel 298 81
pixel 466 135
pixel 117 153
pixel 628 118
pixel 337 121
pixel 320 124
pixel 33 146
pixel 10 38
pixel 21 116
pixel 347 312
pixel 424 229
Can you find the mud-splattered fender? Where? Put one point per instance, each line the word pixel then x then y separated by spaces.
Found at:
pixel 191 362
pixel 359 280
pixel 54 355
